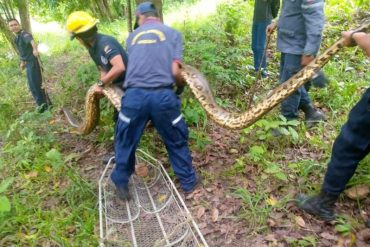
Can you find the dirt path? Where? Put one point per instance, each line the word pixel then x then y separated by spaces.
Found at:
pixel 219 214
pixel 286 226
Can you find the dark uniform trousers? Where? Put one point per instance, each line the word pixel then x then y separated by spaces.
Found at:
pixel 290 64
pixel 350 147
pixel 34 79
pixel 162 107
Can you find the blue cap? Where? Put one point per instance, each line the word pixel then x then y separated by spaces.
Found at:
pixel 145 7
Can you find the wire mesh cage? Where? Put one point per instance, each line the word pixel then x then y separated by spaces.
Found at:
pixel 156 215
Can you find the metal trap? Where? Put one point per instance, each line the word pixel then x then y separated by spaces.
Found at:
pixel 156 215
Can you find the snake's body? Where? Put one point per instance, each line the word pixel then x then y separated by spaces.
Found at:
pixel 92 109
pixel 202 92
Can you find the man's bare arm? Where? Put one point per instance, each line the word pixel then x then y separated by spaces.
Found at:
pixel 34 47
pixel 360 38
pixel 118 67
pixel 363 41
pixel 176 71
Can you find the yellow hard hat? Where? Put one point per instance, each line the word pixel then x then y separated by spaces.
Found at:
pixel 80 22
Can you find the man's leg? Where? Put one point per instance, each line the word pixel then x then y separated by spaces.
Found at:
pixel 129 129
pixel 262 43
pixel 167 119
pixel 35 83
pixel 350 147
pixel 291 64
pixel 300 99
pixel 281 68
pixel 254 46
pixel 312 116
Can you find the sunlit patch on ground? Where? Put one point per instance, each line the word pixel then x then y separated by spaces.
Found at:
pixel 201 9
pixel 48 27
pixel 43 48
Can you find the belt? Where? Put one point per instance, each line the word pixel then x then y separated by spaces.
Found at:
pixel 151 88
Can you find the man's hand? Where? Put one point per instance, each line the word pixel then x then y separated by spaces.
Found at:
pixel 306 59
pixel 176 71
pixel 271 28
pixel 22 65
pixel 348 40
pixel 35 52
pixel 34 48
pixel 98 90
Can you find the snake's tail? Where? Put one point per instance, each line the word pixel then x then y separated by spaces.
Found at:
pixel 72 120
pixel 92 114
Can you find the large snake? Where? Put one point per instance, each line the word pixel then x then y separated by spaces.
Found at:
pixel 202 92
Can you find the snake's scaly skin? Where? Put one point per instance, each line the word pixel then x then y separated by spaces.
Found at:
pixel 202 92
pixel 92 109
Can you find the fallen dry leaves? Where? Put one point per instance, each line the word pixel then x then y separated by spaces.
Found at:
pixel 201 211
pixel 215 214
pixel 218 213
pixel 300 221
pixel 141 170
pixel 358 192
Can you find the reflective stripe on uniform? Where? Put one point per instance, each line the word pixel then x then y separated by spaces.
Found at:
pixel 174 122
pixel 123 118
pixel 310 6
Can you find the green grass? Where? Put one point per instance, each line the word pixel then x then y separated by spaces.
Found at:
pixel 49 199
pixel 225 65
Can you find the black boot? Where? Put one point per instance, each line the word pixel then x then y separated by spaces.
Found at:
pixel 123 193
pixel 196 185
pixel 312 116
pixel 321 205
pixel 319 80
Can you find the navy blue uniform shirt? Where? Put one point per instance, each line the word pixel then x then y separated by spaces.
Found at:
pixel 262 11
pixel 300 26
pixel 152 48
pixel 23 43
pixel 104 49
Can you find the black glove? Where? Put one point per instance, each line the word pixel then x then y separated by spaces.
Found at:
pixel 179 90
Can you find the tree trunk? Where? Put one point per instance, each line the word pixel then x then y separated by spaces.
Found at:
pixel 24 15
pixel 10 7
pixel 100 9
pixel 118 8
pixel 103 9
pixel 94 7
pixel 158 4
pixel 107 10
pixel 4 29
pixel 129 16
pixel 7 10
